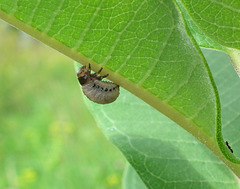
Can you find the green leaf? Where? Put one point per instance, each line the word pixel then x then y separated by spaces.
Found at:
pixel 228 85
pixel 201 38
pixel 131 180
pixel 215 24
pixel 220 20
pixel 163 154
pixel 144 46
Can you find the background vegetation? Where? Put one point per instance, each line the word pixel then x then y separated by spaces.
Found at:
pixel 48 139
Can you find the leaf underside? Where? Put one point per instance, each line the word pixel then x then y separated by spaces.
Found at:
pixel 163 154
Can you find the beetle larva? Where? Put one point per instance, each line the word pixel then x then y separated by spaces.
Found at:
pixel 101 92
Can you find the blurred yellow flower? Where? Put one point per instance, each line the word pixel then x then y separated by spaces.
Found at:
pixel 113 180
pixel 27 176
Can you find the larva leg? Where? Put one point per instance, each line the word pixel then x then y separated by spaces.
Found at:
pixel 101 77
pixel 89 67
pixel 96 73
pixel 99 71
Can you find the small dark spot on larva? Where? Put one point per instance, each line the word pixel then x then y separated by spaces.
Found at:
pixel 94 85
pixel 97 86
pixel 106 89
pixel 114 88
pixel 110 90
pixel 101 88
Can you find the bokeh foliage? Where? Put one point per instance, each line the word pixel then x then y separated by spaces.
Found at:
pixel 48 139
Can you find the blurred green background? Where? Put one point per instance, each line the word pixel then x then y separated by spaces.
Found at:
pixel 48 139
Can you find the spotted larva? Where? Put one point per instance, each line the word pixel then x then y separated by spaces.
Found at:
pixel 101 92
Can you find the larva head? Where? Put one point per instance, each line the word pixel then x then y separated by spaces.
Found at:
pixel 83 74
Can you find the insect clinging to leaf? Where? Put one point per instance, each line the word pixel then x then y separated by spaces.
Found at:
pixel 101 92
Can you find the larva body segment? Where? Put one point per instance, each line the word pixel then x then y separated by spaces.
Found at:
pixel 101 92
